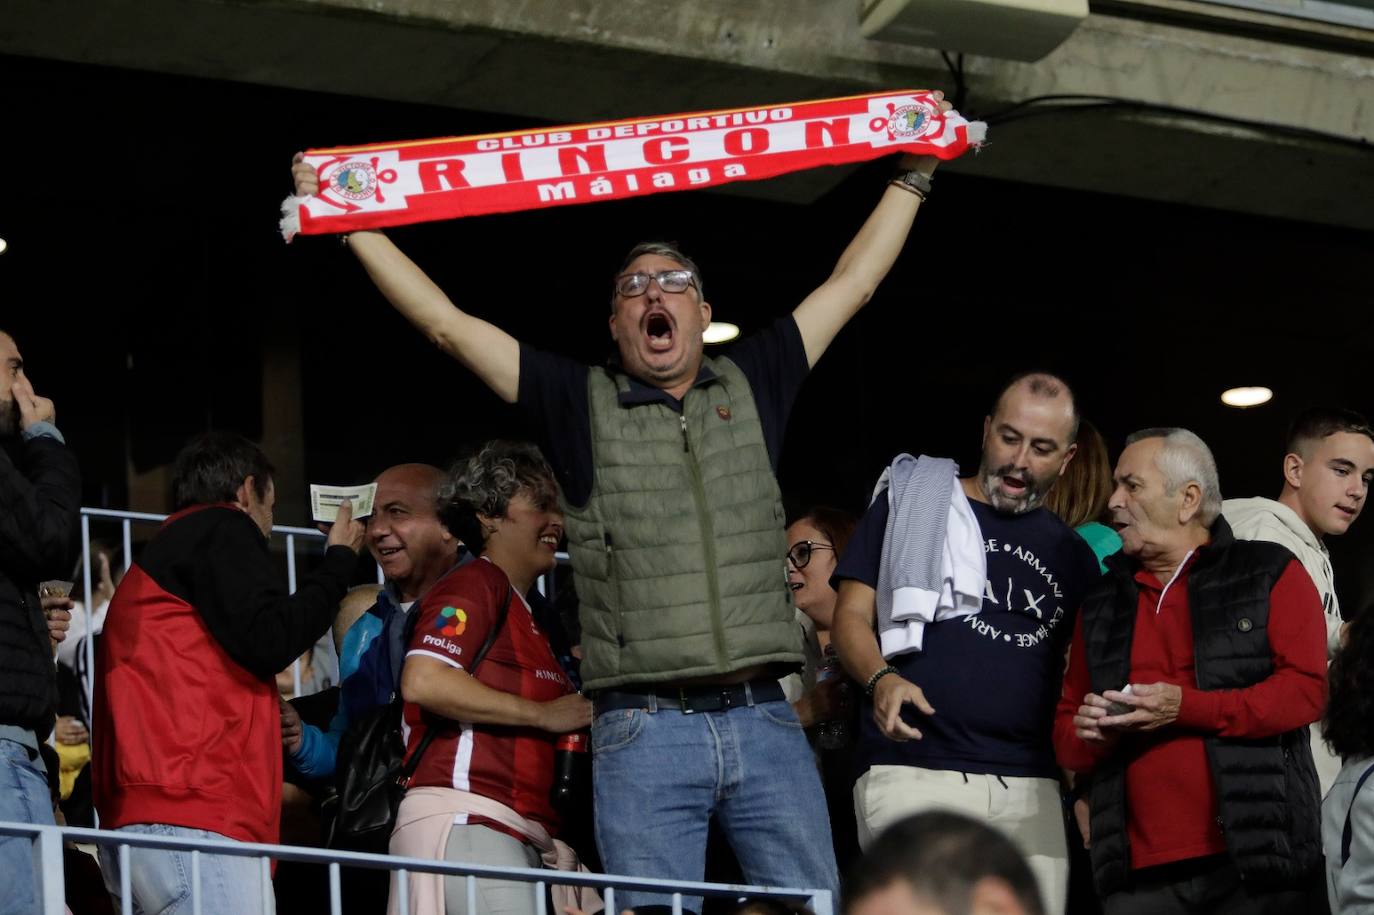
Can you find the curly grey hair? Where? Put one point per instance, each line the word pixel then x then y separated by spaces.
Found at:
pixel 486 482
pixel 1185 458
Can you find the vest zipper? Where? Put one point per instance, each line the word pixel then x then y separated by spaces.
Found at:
pixel 614 581
pixel 708 540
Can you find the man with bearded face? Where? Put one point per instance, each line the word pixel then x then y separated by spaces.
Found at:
pixel 964 723
pixel 40 505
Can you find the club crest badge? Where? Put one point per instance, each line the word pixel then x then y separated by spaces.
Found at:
pixel 354 180
pixel 723 412
pixel 907 122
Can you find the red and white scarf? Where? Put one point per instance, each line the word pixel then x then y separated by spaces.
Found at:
pixel 391 184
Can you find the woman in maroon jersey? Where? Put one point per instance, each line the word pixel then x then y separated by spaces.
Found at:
pixel 480 793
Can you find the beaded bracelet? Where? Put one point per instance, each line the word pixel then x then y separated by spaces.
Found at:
pixel 877 675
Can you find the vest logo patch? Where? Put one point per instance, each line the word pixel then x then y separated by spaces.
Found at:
pixel 1244 624
pixel 451 621
pixel 723 412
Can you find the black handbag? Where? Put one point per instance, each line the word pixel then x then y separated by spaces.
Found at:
pixel 372 771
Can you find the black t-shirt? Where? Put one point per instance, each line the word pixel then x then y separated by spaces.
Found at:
pixel 993 678
pixel 553 397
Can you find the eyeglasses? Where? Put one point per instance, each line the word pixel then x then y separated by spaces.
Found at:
pixel 800 553
pixel 633 284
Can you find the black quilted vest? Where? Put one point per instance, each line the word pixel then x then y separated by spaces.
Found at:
pixel 1266 788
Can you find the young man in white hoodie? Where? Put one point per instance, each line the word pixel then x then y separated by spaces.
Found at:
pixel 1327 471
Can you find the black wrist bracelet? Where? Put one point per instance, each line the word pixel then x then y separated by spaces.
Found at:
pixel 877 675
pixel 913 180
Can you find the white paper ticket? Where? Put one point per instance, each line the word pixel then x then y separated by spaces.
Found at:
pixel 325 500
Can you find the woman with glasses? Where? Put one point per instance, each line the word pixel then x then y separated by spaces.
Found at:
pixel 815 541
pixel 822 695
pixel 485 697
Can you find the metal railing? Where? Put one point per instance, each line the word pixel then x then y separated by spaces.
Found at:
pixel 47 855
pixel 126 521
pixel 292 537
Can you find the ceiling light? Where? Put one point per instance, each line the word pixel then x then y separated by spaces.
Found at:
pixel 1246 397
pixel 720 332
pixel 3 245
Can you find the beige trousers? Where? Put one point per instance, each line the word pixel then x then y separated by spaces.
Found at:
pixel 1026 810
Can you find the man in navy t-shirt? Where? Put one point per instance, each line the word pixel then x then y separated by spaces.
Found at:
pixel 965 723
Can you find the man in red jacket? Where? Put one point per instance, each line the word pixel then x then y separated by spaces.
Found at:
pixel 1196 666
pixel 187 726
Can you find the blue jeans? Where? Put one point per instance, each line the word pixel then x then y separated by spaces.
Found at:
pixel 24 798
pixel 659 776
pixel 160 880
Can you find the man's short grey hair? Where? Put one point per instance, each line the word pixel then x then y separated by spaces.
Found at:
pixel 1183 459
pixel 661 249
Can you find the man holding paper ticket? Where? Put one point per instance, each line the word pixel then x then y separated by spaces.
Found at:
pixel 666 460
pixel 187 728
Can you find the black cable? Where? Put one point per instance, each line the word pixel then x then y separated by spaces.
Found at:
pixel 1042 105
pixel 956 72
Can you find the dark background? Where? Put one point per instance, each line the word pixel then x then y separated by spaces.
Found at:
pixel 145 280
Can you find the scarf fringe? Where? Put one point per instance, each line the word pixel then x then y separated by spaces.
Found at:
pixel 290 224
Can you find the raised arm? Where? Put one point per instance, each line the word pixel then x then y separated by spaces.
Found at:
pixel 237 592
pixel 483 348
pixel 863 264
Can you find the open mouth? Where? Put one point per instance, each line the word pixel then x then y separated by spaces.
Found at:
pixel 795 586
pixel 1013 485
pixel 549 540
pixel 1348 512
pixel 658 328
pixel 388 552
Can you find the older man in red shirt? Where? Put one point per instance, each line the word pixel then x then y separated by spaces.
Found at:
pixel 1195 668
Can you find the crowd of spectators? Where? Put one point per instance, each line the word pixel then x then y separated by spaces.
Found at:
pixel 985 682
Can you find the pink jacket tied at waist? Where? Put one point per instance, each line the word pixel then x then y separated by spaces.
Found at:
pixel 422 826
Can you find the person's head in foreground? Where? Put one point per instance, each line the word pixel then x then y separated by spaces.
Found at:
pixel 942 864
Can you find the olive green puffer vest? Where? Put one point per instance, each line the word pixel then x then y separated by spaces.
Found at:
pixel 679 550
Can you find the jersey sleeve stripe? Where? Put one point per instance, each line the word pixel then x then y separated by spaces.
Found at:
pixel 433 654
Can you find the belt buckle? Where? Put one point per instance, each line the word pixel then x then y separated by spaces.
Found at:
pixel 727 698
pixel 682 702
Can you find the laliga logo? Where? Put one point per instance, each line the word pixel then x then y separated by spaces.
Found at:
pixel 451 622
pixel 908 121
pixel 359 180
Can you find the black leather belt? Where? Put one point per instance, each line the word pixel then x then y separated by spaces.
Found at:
pixel 690 699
